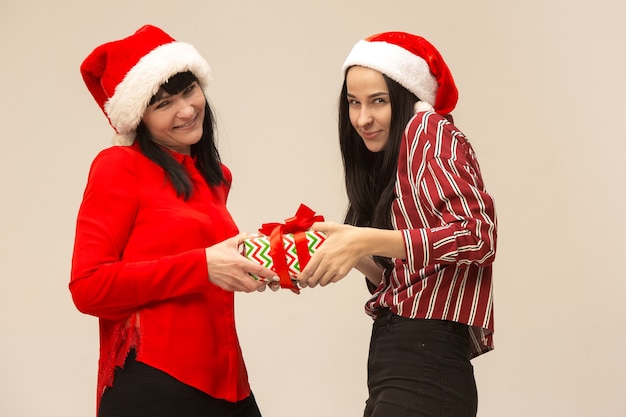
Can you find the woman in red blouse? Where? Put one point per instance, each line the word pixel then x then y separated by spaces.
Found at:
pixel 420 226
pixel 156 251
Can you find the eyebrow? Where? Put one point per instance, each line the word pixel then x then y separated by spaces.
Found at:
pixel 160 95
pixel 373 95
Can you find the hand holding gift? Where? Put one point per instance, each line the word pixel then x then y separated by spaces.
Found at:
pixel 286 248
pixel 347 247
pixel 229 271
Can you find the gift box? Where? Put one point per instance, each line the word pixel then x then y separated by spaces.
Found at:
pixel 258 249
pixel 286 248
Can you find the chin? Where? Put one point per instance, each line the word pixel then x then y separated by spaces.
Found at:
pixel 197 138
pixel 375 149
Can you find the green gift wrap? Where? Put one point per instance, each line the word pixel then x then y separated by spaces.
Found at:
pixel 258 249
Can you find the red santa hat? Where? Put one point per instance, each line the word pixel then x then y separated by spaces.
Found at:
pixel 123 75
pixel 411 61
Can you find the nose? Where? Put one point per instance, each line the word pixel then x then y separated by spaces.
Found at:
pixel 185 109
pixel 365 117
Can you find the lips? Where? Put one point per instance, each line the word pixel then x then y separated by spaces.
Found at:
pixel 188 124
pixel 369 135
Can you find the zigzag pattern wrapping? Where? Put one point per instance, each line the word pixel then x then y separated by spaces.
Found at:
pixel 258 249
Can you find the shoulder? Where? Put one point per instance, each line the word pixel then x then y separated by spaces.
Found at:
pixel 436 132
pixel 429 122
pixel 116 155
pixel 117 162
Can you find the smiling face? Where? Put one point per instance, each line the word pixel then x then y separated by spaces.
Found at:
pixel 176 121
pixel 369 106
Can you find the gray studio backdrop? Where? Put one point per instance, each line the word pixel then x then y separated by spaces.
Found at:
pixel 541 98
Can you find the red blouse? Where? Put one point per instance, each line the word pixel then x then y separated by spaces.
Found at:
pixel 139 265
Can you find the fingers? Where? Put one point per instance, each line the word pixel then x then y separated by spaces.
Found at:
pixel 261 279
pixel 231 271
pixel 319 226
pixel 261 272
pixel 235 241
pixel 322 271
pixel 273 285
pixel 272 282
pixel 312 276
pixel 307 278
pixel 244 236
pixel 325 227
pixel 317 273
pixel 247 284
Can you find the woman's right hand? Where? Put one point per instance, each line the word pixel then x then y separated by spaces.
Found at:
pixel 230 270
pixel 347 247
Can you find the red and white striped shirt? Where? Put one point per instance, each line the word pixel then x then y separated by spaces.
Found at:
pixel 449 226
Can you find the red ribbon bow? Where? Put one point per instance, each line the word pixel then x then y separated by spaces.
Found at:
pixel 298 224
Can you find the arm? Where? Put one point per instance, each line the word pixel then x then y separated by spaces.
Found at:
pixel 442 191
pixel 464 229
pixel 348 247
pixel 104 282
pixel 443 214
pixel 370 270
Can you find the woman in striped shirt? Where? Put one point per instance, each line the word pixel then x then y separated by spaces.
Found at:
pixel 420 226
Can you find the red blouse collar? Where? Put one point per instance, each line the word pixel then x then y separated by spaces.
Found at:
pixel 179 157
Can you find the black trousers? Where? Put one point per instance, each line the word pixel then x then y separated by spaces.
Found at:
pixel 420 368
pixel 140 390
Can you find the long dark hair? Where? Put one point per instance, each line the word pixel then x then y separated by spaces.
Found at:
pixel 370 176
pixel 205 150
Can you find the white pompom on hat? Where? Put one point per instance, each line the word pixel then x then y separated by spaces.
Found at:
pixel 123 75
pixel 411 61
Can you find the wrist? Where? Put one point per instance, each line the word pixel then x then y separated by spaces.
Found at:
pixel 383 242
